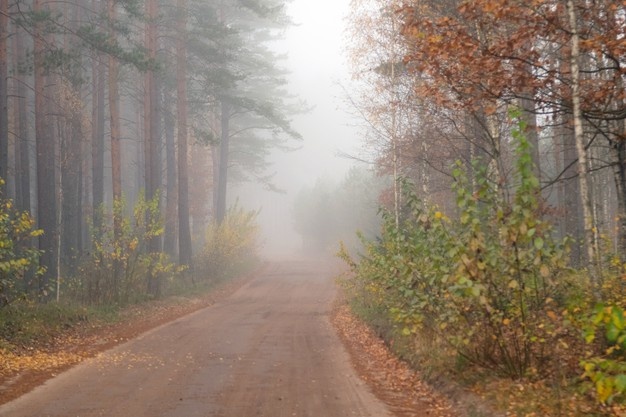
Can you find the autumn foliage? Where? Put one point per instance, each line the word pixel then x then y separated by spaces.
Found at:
pixel 492 286
pixel 230 246
pixel 18 259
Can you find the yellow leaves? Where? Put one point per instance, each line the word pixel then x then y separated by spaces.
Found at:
pixel 435 38
pixel 603 390
pixel 133 244
pixel 11 363
pixel 523 229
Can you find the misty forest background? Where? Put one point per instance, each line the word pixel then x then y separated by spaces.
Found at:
pixel 494 139
pixel 124 122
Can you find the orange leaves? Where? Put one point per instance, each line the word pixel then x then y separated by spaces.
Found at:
pixel 486 50
pixel 456 54
pixel 391 379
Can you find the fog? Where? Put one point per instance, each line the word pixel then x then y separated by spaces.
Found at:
pixel 318 75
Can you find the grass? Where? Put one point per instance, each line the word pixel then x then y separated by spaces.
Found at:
pixel 24 325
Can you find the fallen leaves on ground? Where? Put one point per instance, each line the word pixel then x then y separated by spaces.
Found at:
pixel 24 370
pixel 391 379
pixel 539 398
pixel 394 382
pixel 11 363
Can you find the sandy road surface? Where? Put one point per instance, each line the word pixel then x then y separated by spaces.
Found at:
pixel 268 350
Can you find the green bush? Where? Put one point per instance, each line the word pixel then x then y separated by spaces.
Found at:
pixel 17 252
pixel 490 284
pixel 607 371
pixel 119 269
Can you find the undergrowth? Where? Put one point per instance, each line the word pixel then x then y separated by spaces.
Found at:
pixel 119 274
pixel 489 295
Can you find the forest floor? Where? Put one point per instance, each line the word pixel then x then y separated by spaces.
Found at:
pixel 399 388
pixel 22 371
pixel 291 326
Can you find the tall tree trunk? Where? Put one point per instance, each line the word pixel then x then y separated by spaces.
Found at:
pixel 22 148
pixel 184 230
pixel 153 124
pixel 20 115
pixel 97 141
pixel 71 164
pixel 114 114
pixel 147 133
pixel 171 201
pixel 619 155
pixel 571 221
pixel 151 137
pixel 71 202
pixel 222 177
pixel 116 151
pixel 150 122
pixel 583 174
pixel 157 145
pixel 215 169
pixel 46 172
pixel 4 93
pixel 99 82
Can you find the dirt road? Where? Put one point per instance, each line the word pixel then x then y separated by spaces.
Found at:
pixel 268 350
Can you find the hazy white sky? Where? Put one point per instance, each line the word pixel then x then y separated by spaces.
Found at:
pixel 317 63
pixel 316 60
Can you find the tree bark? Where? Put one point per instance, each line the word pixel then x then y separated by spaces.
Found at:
pixel 151 111
pixel 116 155
pixel 71 164
pixel 171 201
pixel 97 142
pixel 583 175
pixel 4 94
pixel 114 114
pixel 222 165
pixel 184 230
pixel 46 171
pixel 22 149
pixel 71 195
pixel 152 169
pixel 619 152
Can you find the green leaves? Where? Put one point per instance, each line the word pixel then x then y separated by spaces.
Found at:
pixel 607 371
pixel 481 282
pixel 119 263
pixel 17 251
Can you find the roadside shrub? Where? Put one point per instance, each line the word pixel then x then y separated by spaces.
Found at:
pixel 606 370
pixel 491 285
pixel 231 245
pixel 18 255
pixel 120 269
